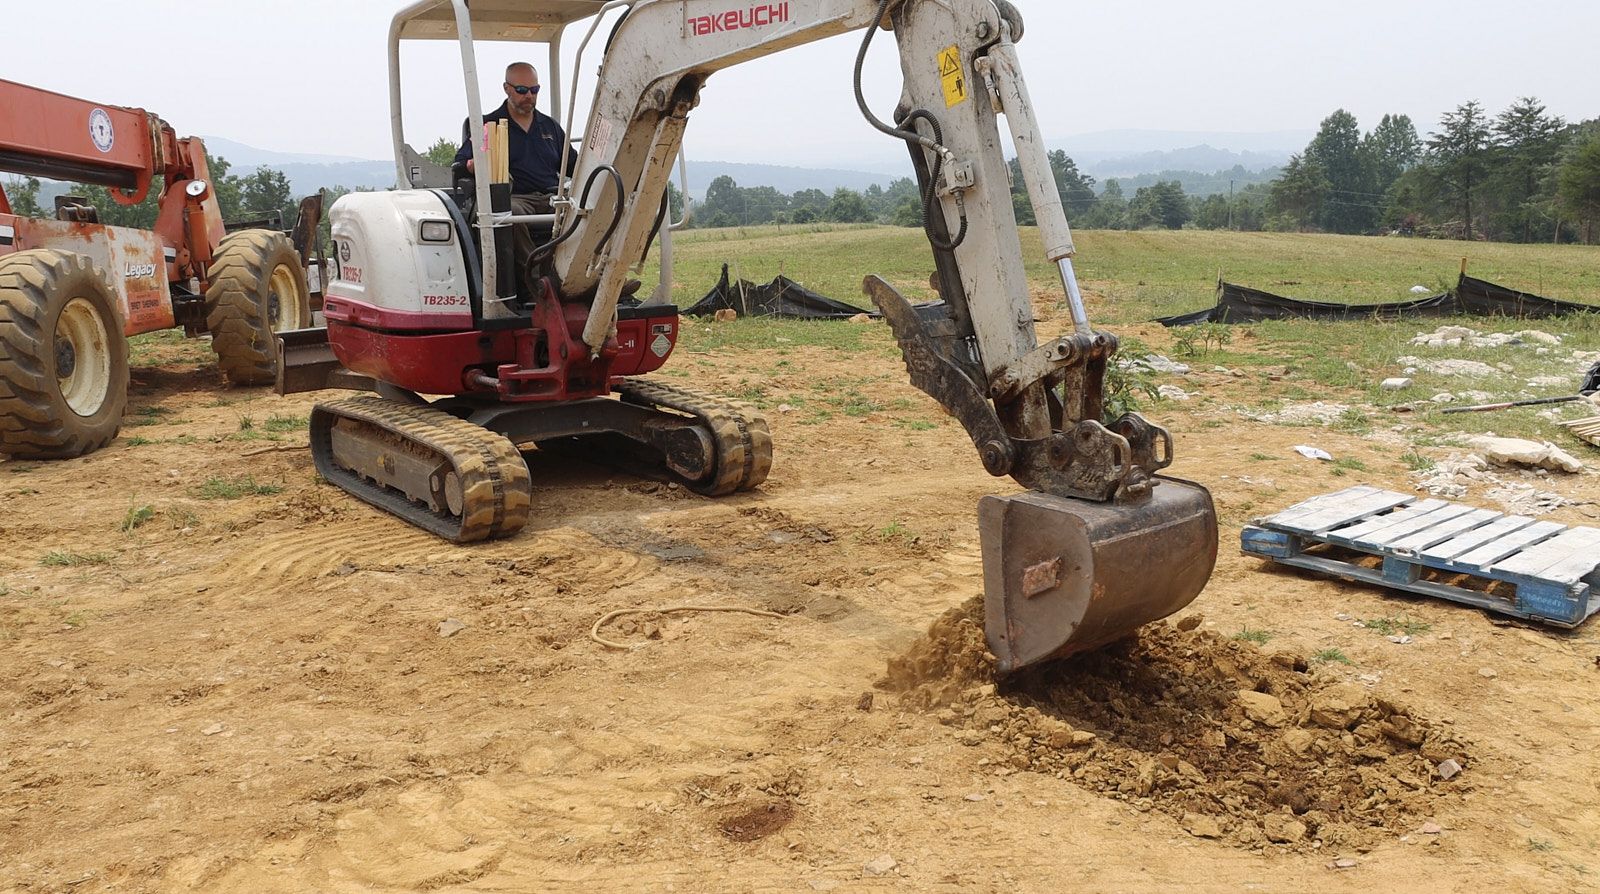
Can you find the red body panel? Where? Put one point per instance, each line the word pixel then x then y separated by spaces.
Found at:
pixel 545 361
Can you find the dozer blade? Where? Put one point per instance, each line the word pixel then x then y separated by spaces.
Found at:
pixel 1062 576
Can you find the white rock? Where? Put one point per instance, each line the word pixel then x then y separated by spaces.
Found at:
pixel 1448 769
pixel 1543 338
pixel 1443 397
pixel 1172 392
pixel 880 865
pixel 1521 452
pixel 450 627
pixel 1310 452
pixel 1396 384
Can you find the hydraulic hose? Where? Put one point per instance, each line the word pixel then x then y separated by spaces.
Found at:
pixel 543 251
pixel 935 145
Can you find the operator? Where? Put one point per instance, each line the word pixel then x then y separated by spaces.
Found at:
pixel 535 143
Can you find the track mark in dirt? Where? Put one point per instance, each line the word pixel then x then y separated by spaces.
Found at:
pixel 1236 744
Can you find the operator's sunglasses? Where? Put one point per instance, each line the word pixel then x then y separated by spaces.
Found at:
pixel 524 91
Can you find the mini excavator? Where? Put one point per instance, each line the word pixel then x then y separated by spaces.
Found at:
pixel 428 301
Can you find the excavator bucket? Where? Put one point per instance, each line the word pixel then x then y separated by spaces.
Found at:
pixel 1062 575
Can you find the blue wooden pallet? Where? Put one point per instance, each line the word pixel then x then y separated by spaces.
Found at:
pixel 1554 569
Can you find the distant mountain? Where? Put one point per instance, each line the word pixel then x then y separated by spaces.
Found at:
pixel 1192 158
pixel 1112 143
pixel 248 158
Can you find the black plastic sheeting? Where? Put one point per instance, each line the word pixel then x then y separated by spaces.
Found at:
pixel 1470 297
pixel 783 297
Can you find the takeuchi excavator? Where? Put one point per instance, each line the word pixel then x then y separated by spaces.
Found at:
pixel 473 360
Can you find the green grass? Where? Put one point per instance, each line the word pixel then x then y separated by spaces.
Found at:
pixel 217 488
pixel 1134 276
pixel 1332 656
pixel 136 516
pixel 1249 635
pixel 153 415
pixel 1415 461
pixel 1395 626
pixel 279 424
pixel 67 559
pixel 137 441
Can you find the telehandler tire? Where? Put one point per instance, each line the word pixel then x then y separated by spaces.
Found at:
pixel 63 356
pixel 258 288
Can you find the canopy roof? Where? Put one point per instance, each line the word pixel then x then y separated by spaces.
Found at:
pixel 538 21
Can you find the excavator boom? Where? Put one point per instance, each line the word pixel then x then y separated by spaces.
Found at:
pixel 1102 543
pixel 543 349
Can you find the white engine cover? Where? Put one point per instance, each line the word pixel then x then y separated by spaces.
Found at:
pixel 387 276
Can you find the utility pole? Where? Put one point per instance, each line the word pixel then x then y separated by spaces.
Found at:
pixel 1230 203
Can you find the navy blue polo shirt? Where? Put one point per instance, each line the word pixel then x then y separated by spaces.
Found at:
pixel 535 154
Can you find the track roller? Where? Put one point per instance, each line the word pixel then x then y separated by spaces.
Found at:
pixel 436 471
pixel 741 444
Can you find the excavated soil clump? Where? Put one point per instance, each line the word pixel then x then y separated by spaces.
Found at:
pixel 1259 749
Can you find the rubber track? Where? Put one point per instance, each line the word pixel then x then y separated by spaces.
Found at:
pixel 497 491
pixel 742 442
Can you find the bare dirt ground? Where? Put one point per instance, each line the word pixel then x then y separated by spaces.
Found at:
pixel 253 694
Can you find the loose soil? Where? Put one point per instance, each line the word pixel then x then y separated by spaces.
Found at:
pixel 254 694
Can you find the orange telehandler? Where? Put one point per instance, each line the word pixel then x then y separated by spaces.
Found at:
pixel 71 288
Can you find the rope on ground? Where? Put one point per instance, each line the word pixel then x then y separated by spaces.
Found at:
pixel 594 632
pixel 281 448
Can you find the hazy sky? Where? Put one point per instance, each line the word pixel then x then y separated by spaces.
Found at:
pixel 310 75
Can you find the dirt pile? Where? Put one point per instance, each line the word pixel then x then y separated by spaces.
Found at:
pixel 1258 749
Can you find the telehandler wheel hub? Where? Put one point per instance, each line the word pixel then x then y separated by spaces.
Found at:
pixel 281 284
pixel 83 357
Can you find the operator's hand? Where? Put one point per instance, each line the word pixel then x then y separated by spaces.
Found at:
pixel 469 167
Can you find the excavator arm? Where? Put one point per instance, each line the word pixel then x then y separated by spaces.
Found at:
pixel 1104 543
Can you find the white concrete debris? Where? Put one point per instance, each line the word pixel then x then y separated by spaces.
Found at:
pixel 1314 413
pixel 1521 452
pixel 1420 290
pixel 1458 336
pixel 1172 392
pixel 1449 366
pixel 1310 452
pixel 1548 381
pixel 1155 363
pixel 1452 478
pixel 1396 384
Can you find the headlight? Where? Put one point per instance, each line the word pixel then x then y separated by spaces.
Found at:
pixel 436 231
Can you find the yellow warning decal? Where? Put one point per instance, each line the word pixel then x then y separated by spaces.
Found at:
pixel 952 76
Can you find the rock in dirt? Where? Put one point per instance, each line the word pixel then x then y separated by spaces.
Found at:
pixel 860 318
pixel 1283 828
pixel 726 315
pixel 1521 452
pixel 1170 731
pixel 1191 622
pixel 1201 826
pixel 213 729
pixel 1172 392
pixel 1448 769
pixel 1431 828
pixel 1339 706
pixel 1262 708
pixel 450 627
pixel 881 865
pixel 1396 384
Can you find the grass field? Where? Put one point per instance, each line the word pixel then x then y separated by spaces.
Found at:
pixel 1139 275
pixel 1131 278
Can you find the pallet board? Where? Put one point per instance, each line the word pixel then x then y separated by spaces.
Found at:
pixel 1587 429
pixel 1553 570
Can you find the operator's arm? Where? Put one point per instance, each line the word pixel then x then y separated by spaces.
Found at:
pixel 461 168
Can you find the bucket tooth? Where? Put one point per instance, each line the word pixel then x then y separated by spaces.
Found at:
pixel 1063 576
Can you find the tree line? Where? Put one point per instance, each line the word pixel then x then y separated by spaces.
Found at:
pixel 261 194
pixel 1520 176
